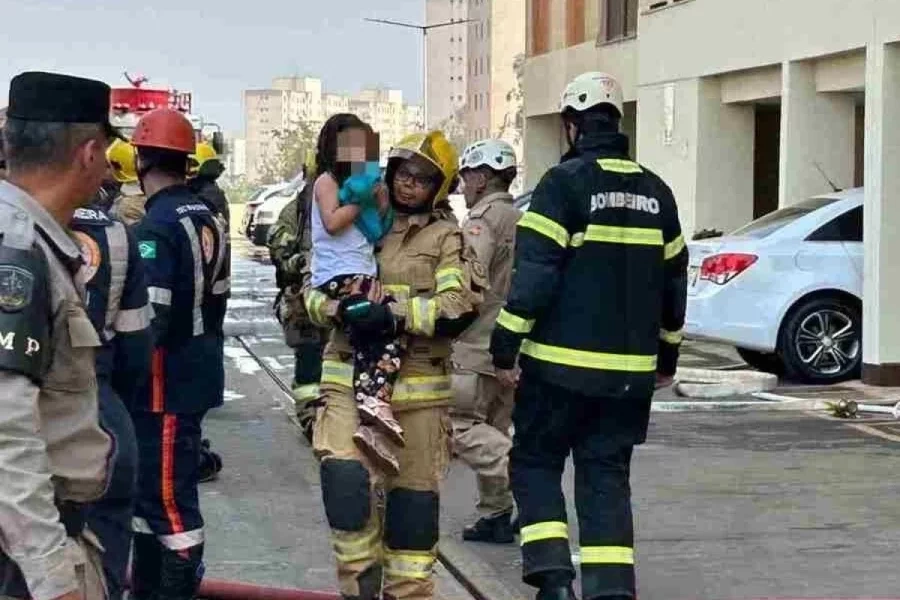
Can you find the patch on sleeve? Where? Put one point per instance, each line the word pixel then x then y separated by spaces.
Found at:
pixel 16 285
pixel 475 230
pixel 147 249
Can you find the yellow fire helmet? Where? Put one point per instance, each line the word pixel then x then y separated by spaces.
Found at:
pixel 436 149
pixel 204 152
pixel 121 157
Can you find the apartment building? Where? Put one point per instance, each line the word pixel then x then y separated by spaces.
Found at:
pixel 742 106
pixel 293 100
pixel 446 60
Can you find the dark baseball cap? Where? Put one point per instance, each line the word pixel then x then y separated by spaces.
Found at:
pixel 52 97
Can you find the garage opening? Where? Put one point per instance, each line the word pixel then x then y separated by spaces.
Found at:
pixel 766 156
pixel 859 142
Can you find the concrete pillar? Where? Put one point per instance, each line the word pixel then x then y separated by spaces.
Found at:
pixel 725 137
pixel 881 280
pixel 815 129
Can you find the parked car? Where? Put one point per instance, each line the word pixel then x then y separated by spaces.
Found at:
pixel 786 289
pixel 268 212
pixel 255 201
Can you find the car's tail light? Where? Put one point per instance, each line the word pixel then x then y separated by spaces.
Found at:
pixel 722 268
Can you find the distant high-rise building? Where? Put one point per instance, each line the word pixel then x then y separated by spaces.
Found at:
pixel 294 100
pixel 447 57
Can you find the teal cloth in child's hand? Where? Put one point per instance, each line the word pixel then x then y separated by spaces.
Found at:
pixel 359 189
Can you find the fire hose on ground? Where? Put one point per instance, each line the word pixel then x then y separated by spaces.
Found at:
pixel 219 589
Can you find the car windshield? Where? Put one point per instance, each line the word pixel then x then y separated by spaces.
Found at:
pixel 256 194
pixel 772 222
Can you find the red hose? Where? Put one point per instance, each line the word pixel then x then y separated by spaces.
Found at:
pixel 217 589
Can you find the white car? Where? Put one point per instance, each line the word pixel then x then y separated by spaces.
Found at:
pixel 268 212
pixel 254 202
pixel 786 289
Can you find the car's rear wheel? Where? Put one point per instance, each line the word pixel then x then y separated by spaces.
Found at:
pixel 821 341
pixel 762 361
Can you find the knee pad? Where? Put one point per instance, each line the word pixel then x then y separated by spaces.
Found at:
pixel 345 493
pixel 411 520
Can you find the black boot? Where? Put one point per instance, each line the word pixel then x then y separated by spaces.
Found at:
pixel 493 530
pixel 210 463
pixel 556 592
pixel 180 573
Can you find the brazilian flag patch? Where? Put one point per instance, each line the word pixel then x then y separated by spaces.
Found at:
pixel 147 249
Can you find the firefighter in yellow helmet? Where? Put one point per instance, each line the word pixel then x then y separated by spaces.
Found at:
pixel 205 167
pixel 128 203
pixel 432 285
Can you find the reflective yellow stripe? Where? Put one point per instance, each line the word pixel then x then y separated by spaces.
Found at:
pixel 620 235
pixel 352 550
pixel 302 393
pixel 406 565
pixel 314 301
pixel 674 248
pixel 423 388
pixel 422 315
pixel 399 292
pixel 450 278
pixel 507 320
pixel 337 373
pixel 617 165
pixel 671 337
pixel 408 389
pixel 607 555
pixel 546 530
pixel 546 227
pixel 632 363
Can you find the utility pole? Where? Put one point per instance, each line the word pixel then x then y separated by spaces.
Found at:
pixel 424 29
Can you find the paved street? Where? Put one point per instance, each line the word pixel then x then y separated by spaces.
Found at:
pixel 728 505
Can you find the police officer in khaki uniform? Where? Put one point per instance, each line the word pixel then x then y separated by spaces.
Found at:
pixel 435 286
pixel 483 407
pixel 54 455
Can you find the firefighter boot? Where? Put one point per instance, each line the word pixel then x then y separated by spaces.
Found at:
pixel 210 463
pixel 556 592
pixel 180 573
pixel 147 554
pixel 493 530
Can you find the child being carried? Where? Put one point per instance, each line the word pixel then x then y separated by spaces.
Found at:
pixel 350 213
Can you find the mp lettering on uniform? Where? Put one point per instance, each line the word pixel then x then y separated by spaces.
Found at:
pixel 624 200
pixel 33 347
pixel 7 340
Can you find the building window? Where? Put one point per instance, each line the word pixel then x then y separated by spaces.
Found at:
pixel 574 22
pixel 618 19
pixel 540 26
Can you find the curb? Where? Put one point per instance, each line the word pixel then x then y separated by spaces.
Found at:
pixel 711 383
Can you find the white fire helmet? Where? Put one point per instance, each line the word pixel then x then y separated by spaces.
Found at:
pixel 592 89
pixel 493 153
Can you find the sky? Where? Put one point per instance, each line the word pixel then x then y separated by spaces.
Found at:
pixel 216 49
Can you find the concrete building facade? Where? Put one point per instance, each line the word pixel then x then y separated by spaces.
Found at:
pixel 744 107
pixel 292 100
pixel 446 51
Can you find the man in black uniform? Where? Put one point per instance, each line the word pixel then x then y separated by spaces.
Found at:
pixel 183 253
pixel 595 309
pixel 117 305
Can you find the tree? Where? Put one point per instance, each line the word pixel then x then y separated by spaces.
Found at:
pixel 514 119
pixel 294 147
pixel 454 128
pixel 237 189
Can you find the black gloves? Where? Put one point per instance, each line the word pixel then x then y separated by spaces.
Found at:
pixel 366 318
